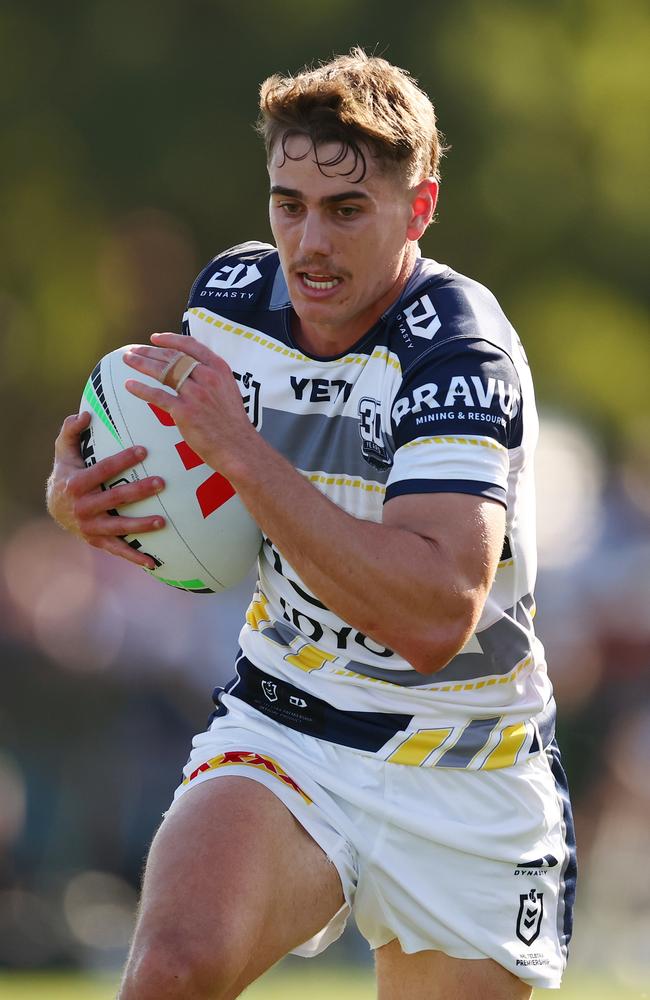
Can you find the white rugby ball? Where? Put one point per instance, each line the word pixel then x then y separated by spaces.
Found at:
pixel 210 541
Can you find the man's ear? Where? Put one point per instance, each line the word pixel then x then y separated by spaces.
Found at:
pixel 423 205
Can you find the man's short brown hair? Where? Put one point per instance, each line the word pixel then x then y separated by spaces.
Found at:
pixel 361 103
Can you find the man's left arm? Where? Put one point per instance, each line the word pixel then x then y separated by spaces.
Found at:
pixel 416 582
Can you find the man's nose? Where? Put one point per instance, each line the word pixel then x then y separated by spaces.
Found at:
pixel 314 238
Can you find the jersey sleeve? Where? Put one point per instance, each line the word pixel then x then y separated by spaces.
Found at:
pixel 232 278
pixel 455 419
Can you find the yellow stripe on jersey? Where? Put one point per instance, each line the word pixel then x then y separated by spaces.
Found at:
pixel 418 746
pixel 486 682
pixel 274 345
pixel 365 677
pixel 447 439
pixel 443 688
pixel 258 612
pixel 254 335
pixel 390 359
pixel 511 740
pixel 310 658
pixel 359 484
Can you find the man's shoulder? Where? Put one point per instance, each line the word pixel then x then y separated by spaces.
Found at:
pixel 244 276
pixel 440 306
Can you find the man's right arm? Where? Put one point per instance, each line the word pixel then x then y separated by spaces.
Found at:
pixel 77 502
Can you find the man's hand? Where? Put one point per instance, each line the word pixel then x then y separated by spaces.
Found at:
pixel 77 502
pixel 208 409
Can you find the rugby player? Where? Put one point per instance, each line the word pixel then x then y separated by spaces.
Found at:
pixel 386 746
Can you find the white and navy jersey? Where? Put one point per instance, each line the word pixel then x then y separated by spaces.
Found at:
pixel 436 397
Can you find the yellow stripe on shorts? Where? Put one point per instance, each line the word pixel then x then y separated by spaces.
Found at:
pixel 511 740
pixel 416 748
pixel 310 658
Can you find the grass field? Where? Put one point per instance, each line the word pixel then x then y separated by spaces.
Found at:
pixel 278 984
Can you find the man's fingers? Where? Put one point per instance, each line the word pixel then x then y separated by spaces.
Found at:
pixel 93 476
pixel 163 354
pixel 75 422
pixel 159 397
pixel 99 501
pixel 186 345
pixel 67 451
pixel 67 442
pixel 118 547
pixel 113 525
pixel 152 361
pixel 159 360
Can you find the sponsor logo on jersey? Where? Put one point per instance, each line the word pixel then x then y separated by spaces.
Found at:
pixel 270 689
pixel 321 390
pixel 460 394
pixel 235 276
pixel 248 758
pixel 540 866
pixel 230 281
pixel 346 638
pixel 529 918
pixel 250 394
pixel 373 446
pixel 422 318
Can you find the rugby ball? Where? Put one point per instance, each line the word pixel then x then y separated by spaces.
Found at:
pixel 210 541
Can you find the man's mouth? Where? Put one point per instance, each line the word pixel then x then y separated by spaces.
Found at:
pixel 321 282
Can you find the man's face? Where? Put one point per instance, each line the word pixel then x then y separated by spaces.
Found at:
pixel 343 245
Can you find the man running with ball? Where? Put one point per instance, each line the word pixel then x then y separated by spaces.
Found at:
pixel 386 745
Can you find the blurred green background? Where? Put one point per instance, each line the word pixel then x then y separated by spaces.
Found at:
pixel 129 160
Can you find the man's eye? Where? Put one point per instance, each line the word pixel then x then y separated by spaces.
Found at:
pixel 347 211
pixel 289 207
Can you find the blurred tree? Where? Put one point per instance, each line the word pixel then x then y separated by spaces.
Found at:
pixel 130 159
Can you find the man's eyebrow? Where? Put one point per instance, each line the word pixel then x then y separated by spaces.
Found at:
pixel 287 192
pixel 346 196
pixel 352 195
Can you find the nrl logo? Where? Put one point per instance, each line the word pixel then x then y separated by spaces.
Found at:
pixel 270 689
pixel 529 918
pixel 250 394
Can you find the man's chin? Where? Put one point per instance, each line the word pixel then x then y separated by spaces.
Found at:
pixel 325 310
pixel 320 316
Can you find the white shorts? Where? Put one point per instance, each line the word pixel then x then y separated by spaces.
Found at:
pixel 476 864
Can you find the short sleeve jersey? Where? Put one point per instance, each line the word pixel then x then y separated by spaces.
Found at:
pixel 436 397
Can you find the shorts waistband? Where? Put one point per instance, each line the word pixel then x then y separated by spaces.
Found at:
pixel 297 709
pixel 304 712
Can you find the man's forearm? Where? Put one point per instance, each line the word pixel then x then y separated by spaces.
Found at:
pixel 392 584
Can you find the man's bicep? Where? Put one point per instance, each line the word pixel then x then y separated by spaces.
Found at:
pixel 468 530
